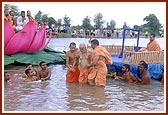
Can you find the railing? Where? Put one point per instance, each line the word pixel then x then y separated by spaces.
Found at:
pixel 131 57
pixel 116 49
pixel 151 57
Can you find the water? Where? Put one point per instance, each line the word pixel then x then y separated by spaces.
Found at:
pixel 57 95
pixel 63 43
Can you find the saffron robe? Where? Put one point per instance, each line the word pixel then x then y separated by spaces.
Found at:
pixel 73 76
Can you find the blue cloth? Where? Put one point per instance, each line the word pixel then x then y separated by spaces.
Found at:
pixel 153 69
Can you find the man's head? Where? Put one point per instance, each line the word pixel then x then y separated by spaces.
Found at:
pixel 29 72
pixel 43 65
pixel 152 37
pixel 28 13
pixel 6 12
pixel 94 43
pixel 143 68
pixel 125 68
pixel 141 62
pixel 82 48
pixel 23 13
pixel 29 66
pixel 11 13
pixel 72 46
pixel 6 76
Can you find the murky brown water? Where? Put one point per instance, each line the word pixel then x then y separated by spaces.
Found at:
pixel 57 95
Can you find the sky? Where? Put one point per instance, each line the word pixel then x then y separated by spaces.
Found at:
pixel 130 12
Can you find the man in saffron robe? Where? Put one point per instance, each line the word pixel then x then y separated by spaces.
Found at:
pixel 100 57
pixel 72 63
pixel 153 45
pixel 85 58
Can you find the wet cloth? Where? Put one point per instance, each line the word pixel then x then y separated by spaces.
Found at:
pixel 99 71
pixel 73 76
pixel 83 77
pixel 153 46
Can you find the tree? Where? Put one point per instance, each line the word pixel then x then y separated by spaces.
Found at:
pixel 59 22
pixel 67 21
pixel 125 25
pixel 112 25
pixel 38 17
pixel 86 23
pixel 45 18
pixel 98 20
pixel 51 20
pixel 152 23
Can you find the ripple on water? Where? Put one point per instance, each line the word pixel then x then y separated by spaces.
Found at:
pixel 57 95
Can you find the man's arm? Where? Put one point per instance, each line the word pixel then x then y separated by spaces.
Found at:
pixel 48 76
pixel 95 60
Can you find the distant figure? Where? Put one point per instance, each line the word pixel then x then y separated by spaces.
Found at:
pixel 153 45
pixel 127 75
pixel 44 73
pixel 72 63
pixel 100 57
pixel 30 76
pixel 144 75
pixel 146 34
pixel 22 21
pixel 29 16
pixel 6 77
pixel 85 58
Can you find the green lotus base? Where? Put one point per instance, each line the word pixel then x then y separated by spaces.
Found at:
pixel 47 55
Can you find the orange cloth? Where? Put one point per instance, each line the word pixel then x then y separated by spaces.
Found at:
pixel 99 71
pixel 98 74
pixel 31 18
pixel 11 22
pixel 99 50
pixel 73 76
pixel 153 46
pixel 83 77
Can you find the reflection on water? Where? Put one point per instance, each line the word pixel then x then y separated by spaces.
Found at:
pixel 57 95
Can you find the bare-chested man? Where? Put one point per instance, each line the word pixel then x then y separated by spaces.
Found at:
pixel 29 66
pixel 127 75
pixel 72 62
pixel 6 77
pixel 30 76
pixel 144 75
pixel 44 73
pixel 85 58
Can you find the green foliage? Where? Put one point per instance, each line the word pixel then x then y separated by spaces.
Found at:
pixel 67 21
pixel 86 23
pixel 38 17
pixel 64 35
pixel 98 20
pixel 152 24
pixel 45 18
pixel 59 22
pixel 51 20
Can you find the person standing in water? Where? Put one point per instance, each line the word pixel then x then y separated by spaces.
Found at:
pixel 72 62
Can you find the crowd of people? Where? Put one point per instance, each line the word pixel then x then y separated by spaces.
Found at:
pixel 17 23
